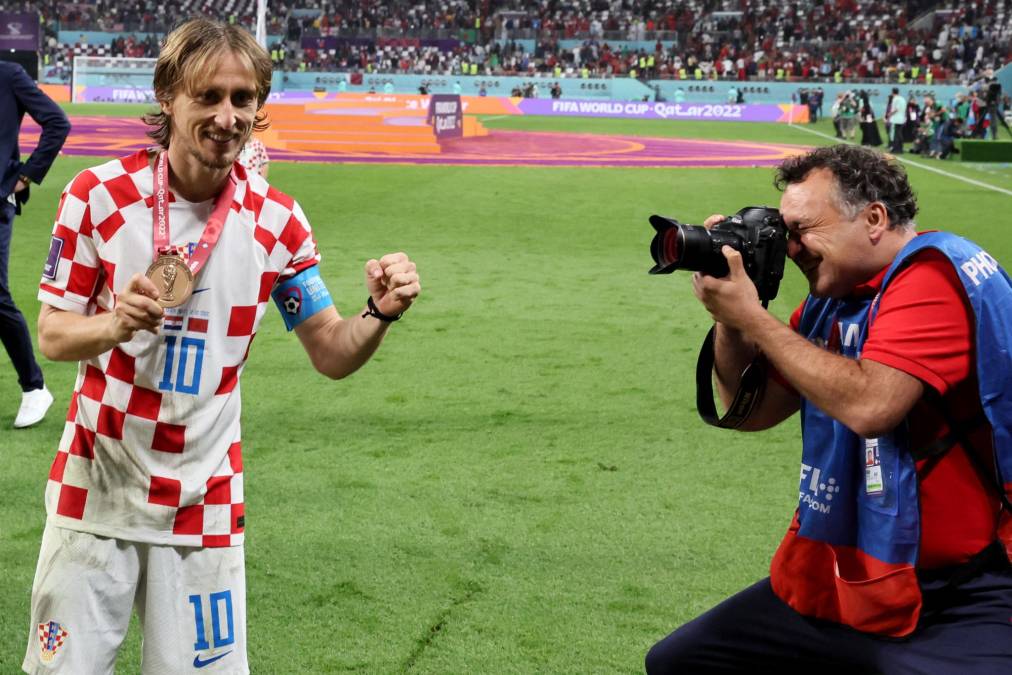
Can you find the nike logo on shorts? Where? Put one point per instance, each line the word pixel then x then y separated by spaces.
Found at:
pixel 200 663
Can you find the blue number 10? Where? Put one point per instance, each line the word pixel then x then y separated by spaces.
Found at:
pixel 187 346
pixel 216 600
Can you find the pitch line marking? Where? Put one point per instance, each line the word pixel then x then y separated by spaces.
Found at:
pixel 947 174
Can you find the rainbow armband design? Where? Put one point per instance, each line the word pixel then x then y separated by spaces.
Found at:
pixel 301 297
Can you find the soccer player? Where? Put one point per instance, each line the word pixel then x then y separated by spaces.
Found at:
pixel 162 265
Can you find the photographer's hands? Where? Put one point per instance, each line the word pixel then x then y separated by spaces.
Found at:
pixel 732 299
pixel 742 323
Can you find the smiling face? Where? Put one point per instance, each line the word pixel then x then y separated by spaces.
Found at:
pixel 213 118
pixel 833 251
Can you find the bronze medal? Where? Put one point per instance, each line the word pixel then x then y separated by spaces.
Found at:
pixel 170 272
pixel 173 279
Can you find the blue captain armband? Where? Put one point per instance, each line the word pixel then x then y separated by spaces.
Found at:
pixel 301 297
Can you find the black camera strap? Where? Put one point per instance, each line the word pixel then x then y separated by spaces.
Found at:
pixel 750 389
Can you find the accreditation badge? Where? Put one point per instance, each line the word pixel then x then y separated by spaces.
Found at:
pixel 873 483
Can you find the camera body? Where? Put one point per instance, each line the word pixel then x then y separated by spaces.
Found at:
pixel 757 232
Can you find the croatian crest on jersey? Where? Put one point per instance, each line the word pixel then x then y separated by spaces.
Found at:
pixel 52 636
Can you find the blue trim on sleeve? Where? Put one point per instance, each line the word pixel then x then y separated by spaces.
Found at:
pixel 301 297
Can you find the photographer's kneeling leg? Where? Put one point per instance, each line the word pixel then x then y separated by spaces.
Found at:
pixel 964 630
pixel 756 632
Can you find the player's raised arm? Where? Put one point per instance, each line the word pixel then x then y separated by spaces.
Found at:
pixel 339 346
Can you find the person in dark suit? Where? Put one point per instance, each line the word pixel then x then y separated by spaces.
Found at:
pixel 20 95
pixel 869 127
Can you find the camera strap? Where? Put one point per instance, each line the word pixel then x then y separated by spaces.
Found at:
pixel 750 389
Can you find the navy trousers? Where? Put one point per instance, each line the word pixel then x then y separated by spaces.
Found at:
pixel 13 329
pixel 965 630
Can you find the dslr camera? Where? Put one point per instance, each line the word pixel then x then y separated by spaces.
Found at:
pixel 757 232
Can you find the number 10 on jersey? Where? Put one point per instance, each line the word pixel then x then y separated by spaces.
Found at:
pixel 184 357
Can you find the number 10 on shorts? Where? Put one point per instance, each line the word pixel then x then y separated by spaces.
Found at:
pixel 220 607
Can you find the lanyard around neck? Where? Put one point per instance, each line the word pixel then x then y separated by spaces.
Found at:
pixel 212 230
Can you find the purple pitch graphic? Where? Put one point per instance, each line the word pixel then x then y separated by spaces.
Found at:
pixel 115 137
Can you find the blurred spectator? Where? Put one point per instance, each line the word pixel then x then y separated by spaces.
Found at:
pixel 950 130
pixel 913 121
pixel 850 114
pixel 869 127
pixel 254 157
pixel 815 104
pixel 834 111
pixel 896 119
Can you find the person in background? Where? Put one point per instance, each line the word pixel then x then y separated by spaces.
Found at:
pixel 913 120
pixel 924 138
pixel 869 127
pixel 814 105
pixel 20 95
pixel 948 133
pixel 254 157
pixel 896 118
pixel 850 108
pixel 991 94
pixel 834 111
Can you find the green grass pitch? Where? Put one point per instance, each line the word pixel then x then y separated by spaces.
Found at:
pixel 518 482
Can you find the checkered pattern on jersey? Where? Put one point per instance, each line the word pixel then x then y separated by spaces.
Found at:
pixel 140 459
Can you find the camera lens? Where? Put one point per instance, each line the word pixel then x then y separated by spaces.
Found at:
pixel 686 247
pixel 697 249
pixel 667 247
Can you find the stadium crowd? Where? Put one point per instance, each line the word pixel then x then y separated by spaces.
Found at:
pixel 841 40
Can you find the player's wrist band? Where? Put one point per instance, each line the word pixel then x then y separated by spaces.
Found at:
pixel 373 311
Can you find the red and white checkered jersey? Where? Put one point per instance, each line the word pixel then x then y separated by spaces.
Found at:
pixel 151 450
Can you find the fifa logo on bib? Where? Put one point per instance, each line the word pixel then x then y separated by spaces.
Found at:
pixel 52 636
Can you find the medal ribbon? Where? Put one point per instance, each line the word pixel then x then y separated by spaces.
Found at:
pixel 160 214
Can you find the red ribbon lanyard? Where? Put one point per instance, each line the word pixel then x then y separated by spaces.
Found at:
pixel 212 231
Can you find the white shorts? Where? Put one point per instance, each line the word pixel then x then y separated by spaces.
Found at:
pixel 191 603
